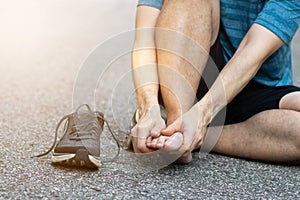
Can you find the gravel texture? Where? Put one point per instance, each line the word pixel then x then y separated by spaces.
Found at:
pixel 41 55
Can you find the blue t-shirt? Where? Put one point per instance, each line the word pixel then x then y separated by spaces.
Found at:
pixel 282 17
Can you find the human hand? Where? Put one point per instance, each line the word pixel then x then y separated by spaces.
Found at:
pixel 148 126
pixel 193 127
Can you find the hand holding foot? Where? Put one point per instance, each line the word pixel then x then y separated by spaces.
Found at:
pixel 193 129
pixel 149 124
pixel 169 143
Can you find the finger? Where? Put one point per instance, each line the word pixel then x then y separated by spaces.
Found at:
pixel 155 132
pixel 148 141
pixel 143 130
pixel 141 146
pixel 187 146
pixel 197 143
pixel 199 139
pixel 161 142
pixel 188 139
pixel 172 128
pixel 139 136
pixel 154 143
pixel 185 149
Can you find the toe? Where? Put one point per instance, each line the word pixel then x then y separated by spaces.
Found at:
pixel 174 142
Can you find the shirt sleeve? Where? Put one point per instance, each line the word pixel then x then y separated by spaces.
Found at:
pixel 281 17
pixel 153 3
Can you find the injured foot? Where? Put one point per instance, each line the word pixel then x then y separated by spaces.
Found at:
pixel 169 143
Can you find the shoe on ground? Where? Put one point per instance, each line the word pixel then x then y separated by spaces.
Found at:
pixel 80 145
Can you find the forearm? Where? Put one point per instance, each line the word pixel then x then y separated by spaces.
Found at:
pixel 145 77
pixel 144 62
pixel 256 47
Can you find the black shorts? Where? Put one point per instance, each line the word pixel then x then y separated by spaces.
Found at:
pixel 254 98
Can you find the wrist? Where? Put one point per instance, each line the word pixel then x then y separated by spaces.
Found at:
pixel 208 108
pixel 146 105
pixel 147 98
pixel 205 112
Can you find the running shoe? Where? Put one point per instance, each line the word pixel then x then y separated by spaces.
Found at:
pixel 80 144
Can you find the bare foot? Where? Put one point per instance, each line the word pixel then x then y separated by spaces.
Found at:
pixel 169 143
pixel 174 142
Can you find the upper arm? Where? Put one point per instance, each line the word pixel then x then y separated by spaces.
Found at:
pixel 146 17
pixel 275 25
pixel 260 43
pixel 273 28
pixel 281 17
pixel 144 43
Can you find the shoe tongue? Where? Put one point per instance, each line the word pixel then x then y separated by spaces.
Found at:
pixel 86 119
pixel 84 115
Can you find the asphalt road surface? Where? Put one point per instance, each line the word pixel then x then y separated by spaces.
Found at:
pixel 44 48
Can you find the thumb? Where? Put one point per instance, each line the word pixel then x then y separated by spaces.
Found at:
pixel 171 129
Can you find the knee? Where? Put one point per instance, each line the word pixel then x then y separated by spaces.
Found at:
pixel 178 12
pixel 195 18
pixel 290 101
pixel 183 4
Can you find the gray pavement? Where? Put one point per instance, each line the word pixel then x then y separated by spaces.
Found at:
pixel 43 46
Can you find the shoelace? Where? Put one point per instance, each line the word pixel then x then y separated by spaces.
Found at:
pixel 78 134
pixel 86 129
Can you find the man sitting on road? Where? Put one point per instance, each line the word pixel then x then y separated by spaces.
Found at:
pixel 250 43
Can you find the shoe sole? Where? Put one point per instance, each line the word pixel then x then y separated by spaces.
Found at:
pixel 82 159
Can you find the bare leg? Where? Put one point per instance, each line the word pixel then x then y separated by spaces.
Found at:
pixel 272 135
pixel 183 50
pixel 186 31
